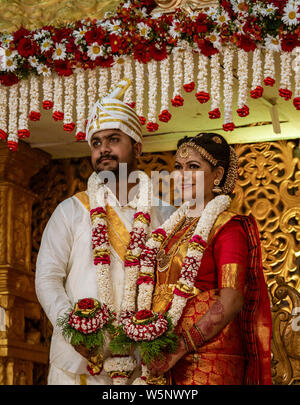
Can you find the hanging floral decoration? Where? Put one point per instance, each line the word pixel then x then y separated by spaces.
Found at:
pixel 266 28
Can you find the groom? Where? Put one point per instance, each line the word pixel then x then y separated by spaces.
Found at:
pixel 64 269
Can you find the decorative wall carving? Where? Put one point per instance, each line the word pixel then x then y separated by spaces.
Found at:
pixel 169 6
pixel 268 187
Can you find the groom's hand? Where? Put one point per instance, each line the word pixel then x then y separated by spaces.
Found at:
pixel 85 352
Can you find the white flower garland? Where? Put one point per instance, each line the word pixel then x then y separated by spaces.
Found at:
pixel 296 68
pixel 34 94
pixel 215 82
pixel 3 111
pixel 152 92
pixel 115 72
pixel 97 193
pixel 285 70
pixel 92 89
pixel 269 65
pixel 228 55
pixel 48 89
pixel 256 69
pixel 102 82
pixel 177 71
pixel 202 84
pixel 191 262
pixel 243 78
pixel 80 101
pixel 165 83
pixel 68 82
pixel 139 88
pixel 12 138
pixel 188 66
pixel 58 94
pixel 23 106
pixel 128 96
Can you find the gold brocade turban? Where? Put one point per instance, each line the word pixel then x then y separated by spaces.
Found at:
pixel 112 113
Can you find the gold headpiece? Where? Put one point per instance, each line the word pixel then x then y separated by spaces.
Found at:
pixel 184 153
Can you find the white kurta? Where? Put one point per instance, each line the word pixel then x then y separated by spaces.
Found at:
pixel 65 274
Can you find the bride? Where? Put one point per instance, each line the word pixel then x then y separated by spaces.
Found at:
pixel 209 278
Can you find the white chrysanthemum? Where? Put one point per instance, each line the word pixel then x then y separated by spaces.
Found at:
pixel 212 12
pixel 215 39
pixel 43 70
pixel 127 4
pixel 272 43
pixel 79 34
pixel 141 12
pixel 94 50
pixel 59 52
pixel 114 26
pixel 174 31
pixel 9 64
pixel 269 10
pixel 221 18
pixel 6 40
pixel 41 35
pixel 33 61
pixel 9 53
pixel 144 29
pixel 193 15
pixel 290 13
pixel 46 45
pixel 240 6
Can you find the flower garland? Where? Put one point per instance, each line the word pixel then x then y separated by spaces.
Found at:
pixel 152 125
pixel 285 75
pixel 101 248
pixel 139 83
pixel 34 114
pixel 58 114
pixel 92 89
pixel 296 68
pixel 3 112
pixel 215 87
pixel 177 100
pixel 189 83
pixel 80 105
pixel 185 284
pixel 128 72
pixel 12 139
pixel 165 114
pixel 228 124
pixel 256 88
pixel 69 125
pixel 115 72
pixel 243 109
pixel 269 68
pixel 23 131
pixel 47 92
pixel 202 94
pixel 103 82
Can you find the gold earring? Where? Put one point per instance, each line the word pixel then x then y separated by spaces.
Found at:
pixel 217 189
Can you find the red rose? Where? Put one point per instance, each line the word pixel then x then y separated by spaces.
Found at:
pixel 47 104
pixel 257 92
pixel 80 136
pixel 177 101
pixel 58 115
pixel 243 111
pixel 142 120
pixel 229 126
pixel 206 47
pixel 289 42
pixel 152 126
pixel 296 103
pixel 202 97
pixel 285 93
pixel 245 43
pixel 158 53
pixel 86 303
pixel 189 87
pixel 199 240
pixel 63 67
pixel 8 79
pixel 3 135
pixel 95 35
pixel 69 127
pixel 34 116
pixel 26 47
pixel 164 116
pixel 23 133
pixel 269 81
pixel 143 314
pixel 13 146
pixel 216 113
pixel 132 105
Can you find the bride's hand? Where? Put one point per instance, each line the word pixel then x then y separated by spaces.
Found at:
pixel 161 366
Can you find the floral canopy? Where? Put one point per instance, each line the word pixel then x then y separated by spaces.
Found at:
pixel 66 68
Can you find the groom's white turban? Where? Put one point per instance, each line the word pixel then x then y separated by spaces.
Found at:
pixel 112 113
